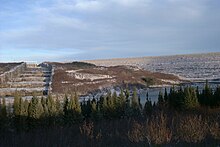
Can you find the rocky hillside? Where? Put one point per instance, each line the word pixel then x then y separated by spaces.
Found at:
pixel 69 77
pixel 192 67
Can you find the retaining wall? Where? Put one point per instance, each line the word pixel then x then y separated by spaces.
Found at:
pixel 12 73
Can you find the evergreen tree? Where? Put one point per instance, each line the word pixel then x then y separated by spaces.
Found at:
pixel 176 98
pixel 134 99
pixel 78 108
pixel 51 105
pixel 66 109
pixel 3 114
pixel 26 105
pixel 44 104
pixel 83 108
pixel 16 105
pixel 3 109
pixel 88 108
pixel 114 100
pixel 160 99
pixel 73 110
pixel 191 99
pixel 206 98
pixel 148 107
pixel 111 106
pixel 105 107
pixel 35 109
pixel 121 108
pixel 127 95
pixel 58 107
pixel 139 101
pixel 197 93
pixel 135 103
pixel 217 96
pixel 65 105
pixel 165 95
pixel 94 110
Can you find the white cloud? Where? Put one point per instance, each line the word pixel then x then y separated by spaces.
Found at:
pixel 89 5
pixel 132 3
pixel 113 25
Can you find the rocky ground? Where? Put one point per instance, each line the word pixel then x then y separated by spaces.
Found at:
pixel 4 67
pixel 189 67
pixel 69 78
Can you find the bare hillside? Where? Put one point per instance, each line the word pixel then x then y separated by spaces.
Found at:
pixel 69 78
pixel 191 67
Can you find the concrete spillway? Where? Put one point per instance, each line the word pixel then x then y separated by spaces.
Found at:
pixel 33 79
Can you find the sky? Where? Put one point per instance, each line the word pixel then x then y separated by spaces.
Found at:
pixel 69 30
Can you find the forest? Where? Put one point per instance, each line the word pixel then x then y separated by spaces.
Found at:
pixel 182 116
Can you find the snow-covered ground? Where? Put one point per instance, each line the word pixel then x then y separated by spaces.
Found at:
pixel 187 67
pixel 86 76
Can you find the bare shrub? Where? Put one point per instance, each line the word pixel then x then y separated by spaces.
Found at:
pixel 87 129
pixel 192 129
pixel 136 133
pixel 157 130
pixel 214 130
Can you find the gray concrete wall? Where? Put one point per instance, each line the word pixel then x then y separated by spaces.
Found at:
pixel 12 73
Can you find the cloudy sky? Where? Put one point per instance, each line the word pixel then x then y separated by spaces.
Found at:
pixel 66 30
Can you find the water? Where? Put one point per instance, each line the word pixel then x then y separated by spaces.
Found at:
pixel 152 92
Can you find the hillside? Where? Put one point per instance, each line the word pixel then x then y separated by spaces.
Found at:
pixel 191 67
pixel 69 77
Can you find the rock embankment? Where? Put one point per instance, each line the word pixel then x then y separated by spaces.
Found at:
pixel 192 67
pixel 30 79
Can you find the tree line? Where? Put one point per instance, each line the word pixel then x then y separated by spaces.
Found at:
pixel 53 111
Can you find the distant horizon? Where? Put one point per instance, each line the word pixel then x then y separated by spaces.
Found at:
pixel 204 53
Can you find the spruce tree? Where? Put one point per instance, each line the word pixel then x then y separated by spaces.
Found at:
pixel 3 109
pixel 127 95
pixel 165 95
pixel 45 108
pixel 77 103
pixel 148 107
pixel 58 107
pixel 74 109
pixel 51 105
pixel 26 105
pixel 22 107
pixel 206 98
pixel 135 103
pixel 105 107
pixel 160 99
pixel 217 96
pixel 35 110
pixel 115 100
pixel 122 104
pixel 188 98
pixel 66 110
pixel 134 99
pixel 16 105
pixel 94 110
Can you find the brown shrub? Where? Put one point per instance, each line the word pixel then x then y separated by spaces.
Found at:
pixel 192 128
pixel 157 130
pixel 87 130
pixel 136 134
pixel 214 130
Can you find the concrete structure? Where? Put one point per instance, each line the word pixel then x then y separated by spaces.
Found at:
pixel 27 79
pixel 16 71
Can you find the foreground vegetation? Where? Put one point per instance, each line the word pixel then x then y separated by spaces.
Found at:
pixel 184 116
